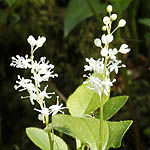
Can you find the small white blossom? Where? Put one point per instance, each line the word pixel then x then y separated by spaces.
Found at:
pixel 25 84
pixel 43 94
pixel 112 53
pixel 104 52
pixel 124 49
pixel 31 40
pixel 95 84
pixel 54 109
pixel 114 66
pixel 21 62
pixel 107 83
pixel 44 112
pixel 107 38
pixel 106 20
pixel 109 9
pixel 35 44
pixel 113 17
pixel 43 71
pixel 122 23
pixel 98 85
pixel 33 97
pixel 98 42
pixel 40 41
pixel 94 65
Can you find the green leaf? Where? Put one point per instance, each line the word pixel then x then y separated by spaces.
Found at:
pixel 113 105
pixel 40 138
pixel 144 21
pixel 77 11
pixel 83 128
pixel 120 5
pixel 83 101
pixel 116 132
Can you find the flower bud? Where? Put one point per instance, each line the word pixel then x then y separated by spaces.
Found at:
pixel 109 9
pixel 106 20
pixel 104 52
pixel 121 23
pixel 113 17
pixel 31 40
pixel 97 42
pixel 40 41
pixel 104 28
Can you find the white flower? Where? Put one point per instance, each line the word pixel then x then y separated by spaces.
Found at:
pixel 114 66
pixel 25 84
pixel 124 49
pixel 54 109
pixel 42 71
pixel 112 53
pixel 43 94
pixel 107 83
pixel 31 40
pixel 113 17
pixel 40 41
pixel 122 23
pixel 106 20
pixel 21 62
pixel 98 85
pixel 98 42
pixel 95 84
pixel 107 38
pixel 32 97
pixel 44 112
pixel 109 9
pixel 104 52
pixel 94 65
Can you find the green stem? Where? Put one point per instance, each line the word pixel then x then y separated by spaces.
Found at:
pixel 101 124
pixel 101 106
pixel 51 141
pixel 41 103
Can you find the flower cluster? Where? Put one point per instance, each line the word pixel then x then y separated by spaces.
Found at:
pixel 41 71
pixel 99 80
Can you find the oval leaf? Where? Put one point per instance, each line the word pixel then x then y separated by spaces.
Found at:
pixel 83 101
pixel 79 10
pixel 83 128
pixel 40 138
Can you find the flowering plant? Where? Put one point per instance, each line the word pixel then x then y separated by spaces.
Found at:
pixel 91 130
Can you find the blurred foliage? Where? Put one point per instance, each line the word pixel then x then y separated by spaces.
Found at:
pixel 20 18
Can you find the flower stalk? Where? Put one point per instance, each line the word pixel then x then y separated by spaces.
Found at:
pixel 41 71
pixel 99 81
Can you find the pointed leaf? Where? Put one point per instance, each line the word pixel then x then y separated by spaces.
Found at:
pixel 83 101
pixel 79 10
pixel 121 5
pixel 40 138
pixel 113 105
pixel 83 128
pixel 116 132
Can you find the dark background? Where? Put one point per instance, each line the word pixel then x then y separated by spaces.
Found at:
pixel 21 18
